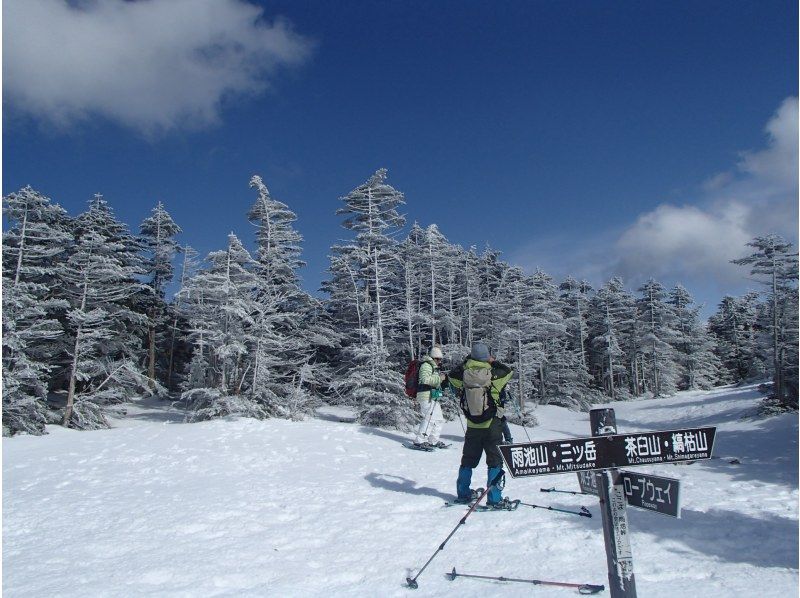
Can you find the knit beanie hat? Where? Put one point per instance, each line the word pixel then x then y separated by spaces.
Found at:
pixel 480 352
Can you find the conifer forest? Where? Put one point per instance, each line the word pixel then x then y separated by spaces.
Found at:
pixel 97 313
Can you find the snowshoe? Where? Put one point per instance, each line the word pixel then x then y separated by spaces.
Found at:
pixel 420 446
pixel 465 501
pixel 441 445
pixel 503 505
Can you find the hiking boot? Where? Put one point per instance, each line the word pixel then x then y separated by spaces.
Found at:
pixel 464 500
pixel 425 446
pixel 441 445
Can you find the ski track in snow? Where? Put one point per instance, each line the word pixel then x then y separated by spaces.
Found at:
pixel 239 507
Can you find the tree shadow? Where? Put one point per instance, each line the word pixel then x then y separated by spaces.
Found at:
pixel 731 536
pixel 734 414
pixel 385 434
pixel 155 409
pixel 331 417
pixel 399 484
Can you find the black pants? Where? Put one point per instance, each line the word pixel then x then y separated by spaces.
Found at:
pixel 483 440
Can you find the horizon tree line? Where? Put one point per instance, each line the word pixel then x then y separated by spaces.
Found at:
pixel 87 325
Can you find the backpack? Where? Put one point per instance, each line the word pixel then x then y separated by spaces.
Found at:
pixel 412 378
pixel 476 400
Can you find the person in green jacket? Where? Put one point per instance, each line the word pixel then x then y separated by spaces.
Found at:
pixel 480 381
pixel 429 395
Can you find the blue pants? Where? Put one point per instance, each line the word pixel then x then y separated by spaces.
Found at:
pixel 476 442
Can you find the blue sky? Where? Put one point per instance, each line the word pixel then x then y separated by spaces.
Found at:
pixel 587 138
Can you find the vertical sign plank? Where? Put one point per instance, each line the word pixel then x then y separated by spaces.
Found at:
pixel 616 532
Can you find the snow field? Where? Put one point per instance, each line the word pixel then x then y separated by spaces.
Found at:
pixel 325 508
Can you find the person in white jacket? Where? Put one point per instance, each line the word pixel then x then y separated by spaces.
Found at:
pixel 429 394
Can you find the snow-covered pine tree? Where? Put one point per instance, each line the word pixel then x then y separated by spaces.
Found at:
pixel 610 308
pixel 223 316
pixel 130 321
pixel 368 268
pixel 521 347
pixel 775 262
pixel 469 295
pixel 36 237
pixel 371 211
pixel 157 233
pixel 435 253
pixel 292 328
pixel 410 309
pixel 492 274
pixel 734 328
pixel 559 377
pixel 376 387
pixel 178 346
pixel 658 335
pixel 575 297
pixel 694 346
pixel 279 244
pixel 104 367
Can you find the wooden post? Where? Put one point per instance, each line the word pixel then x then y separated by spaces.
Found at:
pixel 616 531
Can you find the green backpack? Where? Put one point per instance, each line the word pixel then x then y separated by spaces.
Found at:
pixel 476 400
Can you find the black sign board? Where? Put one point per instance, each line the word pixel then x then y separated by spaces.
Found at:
pixel 646 491
pixel 605 452
pixel 653 493
pixel 588 482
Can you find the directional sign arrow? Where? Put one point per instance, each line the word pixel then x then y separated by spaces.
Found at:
pixel 605 452
pixel 642 490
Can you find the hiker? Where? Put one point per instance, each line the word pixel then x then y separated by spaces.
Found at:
pixel 429 394
pixel 479 381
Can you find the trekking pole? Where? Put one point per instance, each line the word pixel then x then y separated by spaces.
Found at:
pixel 562 491
pixel 521 417
pixel 496 482
pixel 584 512
pixel 583 588
pixel 452 395
pixel 429 417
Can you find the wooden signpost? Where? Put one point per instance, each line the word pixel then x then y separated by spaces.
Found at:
pixel 597 460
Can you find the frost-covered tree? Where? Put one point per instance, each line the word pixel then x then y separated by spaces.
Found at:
pixel 611 308
pixel 103 369
pixel 735 330
pixel 410 309
pixel 774 262
pixel 25 328
pixel 179 316
pixel 520 338
pixel 292 330
pixel 575 297
pixel 376 388
pixel 657 338
pixel 370 211
pixel 36 238
pixel 279 244
pixel 694 346
pixel 158 232
pixel 365 282
pixel 130 321
pixel 224 313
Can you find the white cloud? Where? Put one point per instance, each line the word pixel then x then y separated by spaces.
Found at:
pixel 692 242
pixel 697 241
pixel 152 65
pixel 684 242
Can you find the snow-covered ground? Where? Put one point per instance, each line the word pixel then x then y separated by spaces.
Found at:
pixel 330 508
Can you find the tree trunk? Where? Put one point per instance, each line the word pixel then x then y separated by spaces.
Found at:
pixel 151 342
pixel 72 379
